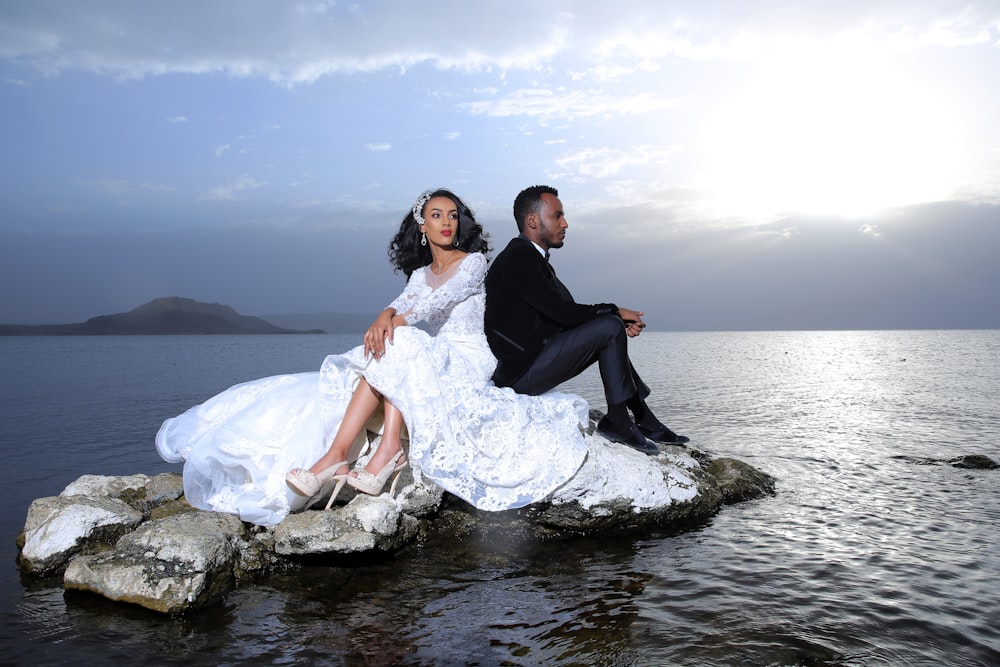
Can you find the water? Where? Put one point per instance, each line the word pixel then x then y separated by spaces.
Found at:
pixel 871 553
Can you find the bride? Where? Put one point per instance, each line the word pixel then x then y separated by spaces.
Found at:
pixel 246 450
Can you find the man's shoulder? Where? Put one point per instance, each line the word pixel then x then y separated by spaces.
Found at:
pixel 508 267
pixel 517 247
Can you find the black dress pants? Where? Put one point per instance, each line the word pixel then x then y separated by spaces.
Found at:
pixel 569 353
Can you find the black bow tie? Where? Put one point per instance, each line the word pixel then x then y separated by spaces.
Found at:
pixel 546 256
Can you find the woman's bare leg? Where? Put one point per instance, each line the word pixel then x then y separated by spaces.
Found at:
pixel 390 443
pixel 363 404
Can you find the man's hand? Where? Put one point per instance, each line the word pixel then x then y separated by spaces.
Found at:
pixel 633 321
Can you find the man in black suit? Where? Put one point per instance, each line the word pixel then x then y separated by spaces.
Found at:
pixel 542 337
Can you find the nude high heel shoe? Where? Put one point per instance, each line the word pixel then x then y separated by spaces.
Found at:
pixel 372 484
pixel 308 484
pixel 313 486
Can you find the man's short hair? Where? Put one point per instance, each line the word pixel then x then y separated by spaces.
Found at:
pixel 528 201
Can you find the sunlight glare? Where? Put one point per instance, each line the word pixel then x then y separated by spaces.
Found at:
pixel 825 135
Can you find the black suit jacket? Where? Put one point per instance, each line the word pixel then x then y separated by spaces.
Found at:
pixel 525 306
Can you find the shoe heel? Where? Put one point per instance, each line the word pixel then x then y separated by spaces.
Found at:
pixel 395 478
pixel 341 480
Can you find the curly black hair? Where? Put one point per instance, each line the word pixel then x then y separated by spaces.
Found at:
pixel 405 251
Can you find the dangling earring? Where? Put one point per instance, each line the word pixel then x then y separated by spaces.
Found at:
pixel 456 241
pixel 423 239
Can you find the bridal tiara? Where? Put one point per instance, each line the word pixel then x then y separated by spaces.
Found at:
pixel 418 207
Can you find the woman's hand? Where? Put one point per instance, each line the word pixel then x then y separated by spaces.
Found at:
pixel 379 333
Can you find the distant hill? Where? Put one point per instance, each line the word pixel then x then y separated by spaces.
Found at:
pixel 330 322
pixel 171 315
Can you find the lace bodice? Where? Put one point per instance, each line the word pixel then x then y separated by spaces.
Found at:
pixel 453 304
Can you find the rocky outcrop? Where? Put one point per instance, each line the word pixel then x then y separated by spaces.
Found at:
pixel 58 528
pixel 969 461
pixel 135 539
pixel 171 564
pixel 91 512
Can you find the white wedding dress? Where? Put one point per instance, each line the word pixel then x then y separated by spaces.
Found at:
pixel 490 446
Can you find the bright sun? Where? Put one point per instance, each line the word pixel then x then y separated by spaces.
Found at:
pixel 836 136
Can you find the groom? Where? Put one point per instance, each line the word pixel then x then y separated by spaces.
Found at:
pixel 542 337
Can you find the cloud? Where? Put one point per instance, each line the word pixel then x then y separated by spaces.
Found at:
pixel 568 104
pixel 871 230
pixel 604 162
pixel 295 44
pixel 229 191
pixel 379 147
pixel 178 119
pixel 289 45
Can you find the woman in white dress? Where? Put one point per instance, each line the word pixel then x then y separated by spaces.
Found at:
pixel 245 450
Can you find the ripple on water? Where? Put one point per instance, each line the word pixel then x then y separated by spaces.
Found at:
pixel 862 557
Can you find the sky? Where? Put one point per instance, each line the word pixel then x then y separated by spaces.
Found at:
pixel 730 165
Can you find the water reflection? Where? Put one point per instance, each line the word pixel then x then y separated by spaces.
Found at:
pixel 461 604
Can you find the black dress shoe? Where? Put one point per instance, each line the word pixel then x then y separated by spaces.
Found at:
pixel 663 435
pixel 627 436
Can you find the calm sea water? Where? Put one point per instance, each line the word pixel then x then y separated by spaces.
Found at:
pixel 873 552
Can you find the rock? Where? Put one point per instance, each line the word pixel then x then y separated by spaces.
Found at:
pixel 673 488
pixel 168 565
pixel 415 495
pixel 967 461
pixel 59 527
pixel 738 481
pixel 134 539
pixel 140 491
pixel 420 497
pixel 103 485
pixel 619 487
pixel 974 461
pixel 366 523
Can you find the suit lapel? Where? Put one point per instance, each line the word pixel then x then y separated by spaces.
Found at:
pixel 563 291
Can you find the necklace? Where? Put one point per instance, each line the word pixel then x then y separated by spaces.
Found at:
pixel 438 269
